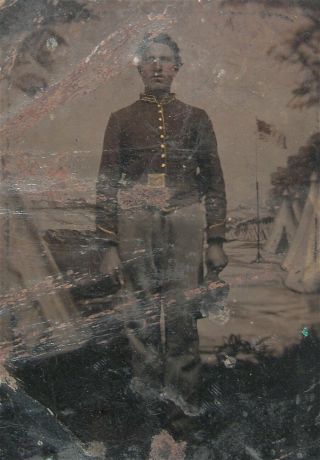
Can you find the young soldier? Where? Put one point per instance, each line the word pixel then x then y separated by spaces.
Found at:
pixel 160 190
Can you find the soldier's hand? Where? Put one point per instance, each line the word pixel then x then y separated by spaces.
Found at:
pixel 216 258
pixel 111 265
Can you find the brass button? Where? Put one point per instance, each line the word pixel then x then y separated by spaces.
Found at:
pixel 162 146
pixel 163 155
pixel 162 136
pixel 160 127
pixel 160 111
pixel 163 165
pixel 159 106
pixel 160 119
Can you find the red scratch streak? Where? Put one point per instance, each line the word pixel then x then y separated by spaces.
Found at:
pixel 100 65
pixel 23 173
pixel 5 6
pixel 52 284
pixel 164 446
pixel 8 64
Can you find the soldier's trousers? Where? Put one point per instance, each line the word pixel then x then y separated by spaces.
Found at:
pixel 162 256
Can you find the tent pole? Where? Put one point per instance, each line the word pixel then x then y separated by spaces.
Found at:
pixel 315 255
pixel 258 258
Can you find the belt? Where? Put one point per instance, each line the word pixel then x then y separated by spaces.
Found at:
pixel 157 180
pixel 153 192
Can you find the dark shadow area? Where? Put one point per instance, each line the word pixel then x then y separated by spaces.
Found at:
pixel 16 16
pixel 295 176
pixel 306 4
pixel 29 430
pixel 255 407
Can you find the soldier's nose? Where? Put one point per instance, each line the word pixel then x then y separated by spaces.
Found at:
pixel 157 64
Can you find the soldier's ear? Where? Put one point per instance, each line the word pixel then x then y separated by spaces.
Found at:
pixel 178 66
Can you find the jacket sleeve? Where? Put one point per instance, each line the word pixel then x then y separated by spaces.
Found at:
pixel 211 179
pixel 107 183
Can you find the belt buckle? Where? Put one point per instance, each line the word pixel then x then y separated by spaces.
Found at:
pixel 157 180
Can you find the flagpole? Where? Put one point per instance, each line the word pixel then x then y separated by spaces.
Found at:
pixel 264 131
pixel 315 255
pixel 258 258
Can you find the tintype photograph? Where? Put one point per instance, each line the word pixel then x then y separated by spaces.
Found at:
pixel 160 229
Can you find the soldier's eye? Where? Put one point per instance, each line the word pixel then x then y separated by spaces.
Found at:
pixel 149 59
pixel 166 59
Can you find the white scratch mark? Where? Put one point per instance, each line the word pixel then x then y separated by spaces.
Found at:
pixel 252 453
pixel 50 411
pixel 6 378
pixel 93 52
pixel 229 361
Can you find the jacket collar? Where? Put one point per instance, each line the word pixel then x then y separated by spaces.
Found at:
pixel 162 100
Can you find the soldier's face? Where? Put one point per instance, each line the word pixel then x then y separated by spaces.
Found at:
pixel 158 67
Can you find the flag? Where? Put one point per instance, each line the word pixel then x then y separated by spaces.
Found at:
pixel 267 131
pixel 264 129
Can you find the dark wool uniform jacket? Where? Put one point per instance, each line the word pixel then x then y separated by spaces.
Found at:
pixel 161 143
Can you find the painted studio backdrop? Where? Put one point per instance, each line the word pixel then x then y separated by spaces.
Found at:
pixel 253 66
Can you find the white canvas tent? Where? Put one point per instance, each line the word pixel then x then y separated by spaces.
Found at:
pixel 36 309
pixel 302 261
pixel 296 207
pixel 284 228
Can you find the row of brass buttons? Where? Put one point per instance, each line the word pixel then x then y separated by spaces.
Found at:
pixel 162 136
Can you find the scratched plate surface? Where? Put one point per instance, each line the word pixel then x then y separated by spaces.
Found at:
pixel 67 383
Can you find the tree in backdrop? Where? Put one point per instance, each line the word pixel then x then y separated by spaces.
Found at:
pixel 295 177
pixel 302 49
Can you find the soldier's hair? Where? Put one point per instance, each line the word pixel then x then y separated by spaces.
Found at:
pixel 162 38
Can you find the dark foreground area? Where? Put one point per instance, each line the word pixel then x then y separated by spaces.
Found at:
pixel 255 407
pixel 260 385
